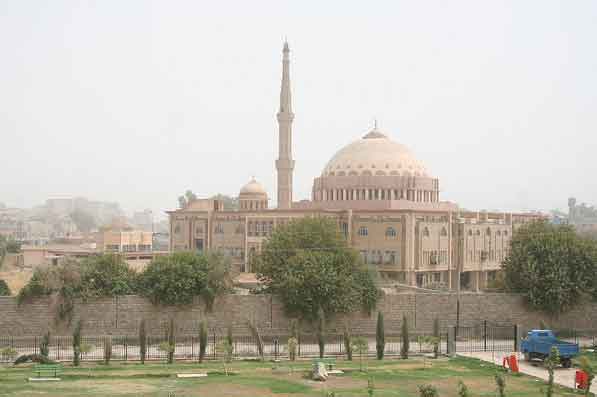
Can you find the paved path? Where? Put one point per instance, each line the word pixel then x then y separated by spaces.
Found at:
pixel 562 376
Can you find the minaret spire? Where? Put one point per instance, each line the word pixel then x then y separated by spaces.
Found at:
pixel 285 163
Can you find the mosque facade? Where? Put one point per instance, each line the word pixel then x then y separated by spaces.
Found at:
pixel 385 202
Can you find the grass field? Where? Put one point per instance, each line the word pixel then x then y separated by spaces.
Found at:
pixel 390 377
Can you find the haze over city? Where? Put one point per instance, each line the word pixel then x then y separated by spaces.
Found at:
pixel 136 102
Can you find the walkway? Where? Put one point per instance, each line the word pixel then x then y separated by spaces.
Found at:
pixel 562 376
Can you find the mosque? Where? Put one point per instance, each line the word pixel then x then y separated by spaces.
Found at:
pixel 385 201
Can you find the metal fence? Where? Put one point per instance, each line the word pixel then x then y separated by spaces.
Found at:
pixel 486 337
pixel 126 348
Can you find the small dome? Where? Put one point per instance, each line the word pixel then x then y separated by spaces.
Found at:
pixel 253 188
pixel 374 154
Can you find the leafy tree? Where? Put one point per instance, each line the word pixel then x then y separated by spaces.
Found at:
pixel 202 339
pixel 257 336
pixel 4 289
pixel 177 278
pixel 142 341
pixel 380 339
pixel 186 199
pixel 309 266
pixel 292 347
pixel 405 346
pixel 551 265
pixel 225 349
pixel 83 220
pixel 106 275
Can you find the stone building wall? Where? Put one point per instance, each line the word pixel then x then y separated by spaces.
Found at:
pixel 121 315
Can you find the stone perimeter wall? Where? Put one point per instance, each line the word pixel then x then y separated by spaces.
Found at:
pixel 121 315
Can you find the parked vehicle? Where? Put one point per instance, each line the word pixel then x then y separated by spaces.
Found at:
pixel 538 344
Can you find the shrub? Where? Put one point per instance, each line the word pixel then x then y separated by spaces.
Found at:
pixel 77 344
pixel 428 391
pixel 225 349
pixel 370 387
pixel 551 363
pixel 380 340
pixel 142 341
pixel 463 390
pixel 4 290
pixel 292 346
pixel 107 349
pixel 34 358
pixel 321 332
pixel 500 382
pixel 202 339
pixel 404 348
pixel 293 341
pixel 44 346
pixel 257 336
pixel 348 342
pixel 585 365
pixel 361 346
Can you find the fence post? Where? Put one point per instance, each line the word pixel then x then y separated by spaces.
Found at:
pixel 126 349
pixel 276 348
pixel 516 337
pixel 484 335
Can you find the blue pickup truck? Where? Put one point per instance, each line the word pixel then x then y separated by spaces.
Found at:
pixel 538 344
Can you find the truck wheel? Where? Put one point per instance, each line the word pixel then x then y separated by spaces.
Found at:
pixel 566 363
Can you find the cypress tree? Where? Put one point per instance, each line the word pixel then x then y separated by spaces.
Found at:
pixel 77 344
pixel 142 341
pixel 202 339
pixel 321 332
pixel 405 338
pixel 380 340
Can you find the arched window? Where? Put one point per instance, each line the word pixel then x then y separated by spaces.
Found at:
pixel 478 232
pixel 444 232
pixel 499 233
pixel 199 230
pixel 488 232
pixel 425 232
pixel 177 229
pixel 470 232
pixel 505 232
pixel 390 232
pixel 363 231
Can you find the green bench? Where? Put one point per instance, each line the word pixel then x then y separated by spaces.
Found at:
pixel 47 370
pixel 329 362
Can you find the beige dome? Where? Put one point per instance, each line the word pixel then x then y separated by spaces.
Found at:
pixel 374 154
pixel 253 188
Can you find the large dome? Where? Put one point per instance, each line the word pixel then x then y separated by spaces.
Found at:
pixel 374 154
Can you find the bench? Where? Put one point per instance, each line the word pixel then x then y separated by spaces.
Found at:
pixel 328 362
pixel 47 370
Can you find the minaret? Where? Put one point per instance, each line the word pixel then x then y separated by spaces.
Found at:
pixel 285 163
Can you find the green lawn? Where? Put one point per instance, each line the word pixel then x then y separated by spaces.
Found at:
pixel 390 377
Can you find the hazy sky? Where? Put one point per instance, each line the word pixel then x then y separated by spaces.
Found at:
pixel 136 101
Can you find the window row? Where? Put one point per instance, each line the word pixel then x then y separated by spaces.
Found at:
pixel 377 194
pixel 488 232
pixel 443 232
pixel 435 257
pixel 378 257
pixel 390 232
pixel 260 229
